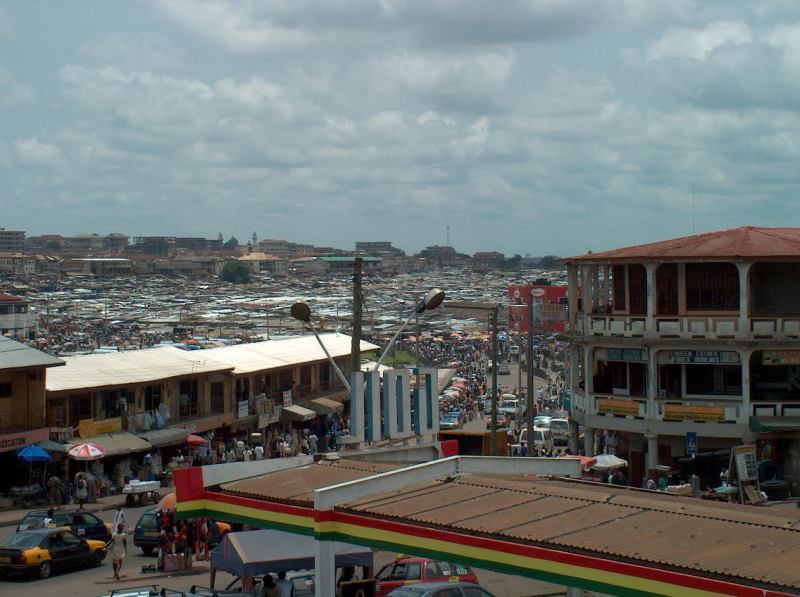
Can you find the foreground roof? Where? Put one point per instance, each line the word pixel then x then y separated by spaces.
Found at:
pixel 16 355
pixel 747 242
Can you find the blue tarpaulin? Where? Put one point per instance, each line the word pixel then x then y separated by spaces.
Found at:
pixel 253 553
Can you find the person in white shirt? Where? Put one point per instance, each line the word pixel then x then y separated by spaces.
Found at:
pixel 120 519
pixel 259 450
pixel 284 584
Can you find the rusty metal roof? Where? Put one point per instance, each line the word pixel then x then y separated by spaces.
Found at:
pixel 755 544
pixel 297 485
pixel 747 242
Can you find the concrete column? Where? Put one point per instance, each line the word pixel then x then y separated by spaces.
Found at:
pixel 573 437
pixel 652 453
pixel 652 384
pixel 586 293
pixel 650 324
pixel 744 291
pixel 572 295
pixel 588 381
pixel 575 592
pixel 324 568
pixel 681 289
pixel 595 287
pixel 588 441
pixel 574 364
pixel 744 357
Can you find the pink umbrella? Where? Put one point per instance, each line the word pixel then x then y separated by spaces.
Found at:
pixel 196 440
pixel 85 451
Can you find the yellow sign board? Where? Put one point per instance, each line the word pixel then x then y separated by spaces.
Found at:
pixel 780 357
pixel 93 427
pixel 617 407
pixel 681 412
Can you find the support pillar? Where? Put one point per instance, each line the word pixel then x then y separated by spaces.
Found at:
pixel 743 330
pixel 572 297
pixel 745 412
pixel 324 568
pixel 573 436
pixel 652 454
pixel 588 441
pixel 650 323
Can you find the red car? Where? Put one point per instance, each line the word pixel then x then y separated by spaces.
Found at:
pixel 409 571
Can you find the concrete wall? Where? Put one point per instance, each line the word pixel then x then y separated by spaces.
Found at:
pixel 25 408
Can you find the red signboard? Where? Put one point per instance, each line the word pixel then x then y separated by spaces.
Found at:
pixel 551 309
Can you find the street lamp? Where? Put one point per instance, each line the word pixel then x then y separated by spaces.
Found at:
pixel 429 302
pixel 494 308
pixel 302 312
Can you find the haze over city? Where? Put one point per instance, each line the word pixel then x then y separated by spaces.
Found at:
pixel 328 123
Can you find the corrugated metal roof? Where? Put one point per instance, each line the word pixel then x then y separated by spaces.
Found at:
pixel 272 354
pixel 125 368
pixel 747 242
pixel 16 355
pixel 739 542
pixel 298 484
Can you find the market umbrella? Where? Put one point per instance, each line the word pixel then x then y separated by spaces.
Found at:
pixel 85 451
pixel 196 441
pixel 51 446
pixel 33 453
pixel 608 462
pixel 167 503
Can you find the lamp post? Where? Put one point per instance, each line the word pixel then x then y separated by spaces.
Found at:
pixel 429 302
pixel 302 312
pixel 493 309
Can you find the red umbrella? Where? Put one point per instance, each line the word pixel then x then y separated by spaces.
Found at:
pixel 196 441
pixel 167 503
pixel 85 451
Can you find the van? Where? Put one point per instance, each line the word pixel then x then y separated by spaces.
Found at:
pixel 513 350
pixel 542 439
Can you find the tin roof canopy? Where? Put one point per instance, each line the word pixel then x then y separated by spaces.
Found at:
pixel 745 243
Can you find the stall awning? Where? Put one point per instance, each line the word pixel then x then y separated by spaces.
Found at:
pixel 117 444
pixel 325 406
pixel 253 553
pixel 165 437
pixel 298 413
pixel 775 424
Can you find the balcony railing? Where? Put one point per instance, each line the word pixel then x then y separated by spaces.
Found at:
pixel 617 325
pixel 684 326
pixel 775 327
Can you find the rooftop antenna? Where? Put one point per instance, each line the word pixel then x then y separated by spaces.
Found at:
pixel 693 228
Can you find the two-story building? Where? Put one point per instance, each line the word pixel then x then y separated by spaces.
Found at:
pixel 22 400
pixel 16 318
pixel 696 334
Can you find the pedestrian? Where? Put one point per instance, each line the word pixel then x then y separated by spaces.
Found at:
pixel 120 518
pixel 119 546
pixel 270 589
pixel 284 584
pixel 48 519
pixel 54 491
pixel 81 490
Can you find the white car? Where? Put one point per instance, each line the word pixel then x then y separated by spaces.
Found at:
pixel 542 421
pixel 542 439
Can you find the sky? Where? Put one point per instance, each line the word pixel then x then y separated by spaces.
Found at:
pixel 531 127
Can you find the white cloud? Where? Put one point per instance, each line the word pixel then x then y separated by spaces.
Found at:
pixel 14 93
pixel 698 44
pixel 34 151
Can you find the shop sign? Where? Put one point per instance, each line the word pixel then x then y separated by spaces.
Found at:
pixel 268 411
pixel 780 357
pixel 243 408
pixel 15 441
pixel 703 357
pixel 683 412
pixel 95 427
pixel 617 407
pixel 287 398
pixel 630 355
pixel 746 465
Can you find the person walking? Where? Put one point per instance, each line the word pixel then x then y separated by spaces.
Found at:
pixel 54 491
pixel 270 589
pixel 119 546
pixel 120 518
pixel 81 490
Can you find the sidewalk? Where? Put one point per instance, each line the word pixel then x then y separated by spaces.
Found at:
pixel 12 517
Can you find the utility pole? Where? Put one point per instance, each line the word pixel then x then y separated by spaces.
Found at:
pixel 493 435
pixel 358 300
pixel 529 352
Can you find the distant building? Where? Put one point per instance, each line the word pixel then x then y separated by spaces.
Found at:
pixel 378 248
pixel 191 266
pixel 261 263
pixel 12 240
pixel 344 264
pixel 445 256
pixel 115 242
pixel 271 246
pixel 87 242
pixel 152 245
pixel 16 319
pixel 102 267
pixel 17 263
pixel 44 242
pixel 484 261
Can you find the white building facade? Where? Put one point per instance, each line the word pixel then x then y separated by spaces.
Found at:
pixel 694 335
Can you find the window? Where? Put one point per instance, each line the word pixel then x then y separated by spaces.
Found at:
pixel 433 570
pixel 637 285
pixel 285 379
pixel 413 571
pixel 712 287
pixel 451 592
pixel 618 273
pixel 305 376
pixel 619 375
pixel 152 397
pixel 6 390
pixel 81 407
pixel 91 519
pixel 324 376
pixel 149 521
pixel 725 380
pixel 188 397
pixel 475 592
pixel 385 572
pixel 217 397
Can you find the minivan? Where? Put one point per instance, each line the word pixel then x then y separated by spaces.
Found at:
pixel 542 439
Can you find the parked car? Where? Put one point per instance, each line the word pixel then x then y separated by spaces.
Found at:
pixel 408 571
pixel 560 428
pixel 503 369
pixel 449 422
pixel 441 589
pixel 147 532
pixel 542 439
pixel 82 523
pixel 542 421
pixel 42 551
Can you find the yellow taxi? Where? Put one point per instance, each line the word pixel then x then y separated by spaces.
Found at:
pixel 42 551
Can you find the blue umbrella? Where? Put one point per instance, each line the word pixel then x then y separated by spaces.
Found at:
pixel 33 453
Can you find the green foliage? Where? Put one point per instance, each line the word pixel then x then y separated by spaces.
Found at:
pixel 548 262
pixel 235 271
pixel 231 243
pixel 401 357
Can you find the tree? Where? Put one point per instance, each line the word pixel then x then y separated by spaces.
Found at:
pixel 231 244
pixel 548 262
pixel 235 271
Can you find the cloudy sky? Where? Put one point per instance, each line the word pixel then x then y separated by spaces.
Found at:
pixel 547 126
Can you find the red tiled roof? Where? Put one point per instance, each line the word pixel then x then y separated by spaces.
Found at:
pixel 7 298
pixel 747 242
